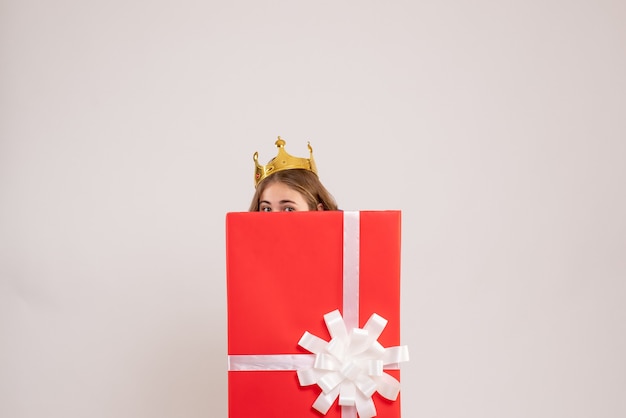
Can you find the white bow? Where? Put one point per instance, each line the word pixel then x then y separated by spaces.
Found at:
pixel 350 366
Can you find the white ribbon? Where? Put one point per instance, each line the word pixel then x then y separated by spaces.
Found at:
pixel 350 366
pixel 243 362
pixel 351 261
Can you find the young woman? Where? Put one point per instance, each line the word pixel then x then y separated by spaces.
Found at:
pixel 289 184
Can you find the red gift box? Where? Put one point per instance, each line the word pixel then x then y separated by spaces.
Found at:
pixel 285 271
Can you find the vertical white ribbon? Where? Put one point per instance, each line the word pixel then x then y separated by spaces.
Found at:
pixel 351 258
pixel 351 255
pixel 348 411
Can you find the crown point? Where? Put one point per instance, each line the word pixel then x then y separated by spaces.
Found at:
pixel 280 142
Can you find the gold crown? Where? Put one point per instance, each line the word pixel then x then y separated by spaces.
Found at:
pixel 282 161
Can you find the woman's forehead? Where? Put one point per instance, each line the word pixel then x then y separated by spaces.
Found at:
pixel 279 191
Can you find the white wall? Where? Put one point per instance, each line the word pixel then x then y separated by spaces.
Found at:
pixel 127 130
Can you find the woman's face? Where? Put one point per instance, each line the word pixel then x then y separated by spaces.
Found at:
pixel 278 197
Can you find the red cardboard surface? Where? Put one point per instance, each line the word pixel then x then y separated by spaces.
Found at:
pixel 284 272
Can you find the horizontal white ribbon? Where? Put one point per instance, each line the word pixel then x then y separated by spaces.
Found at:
pixel 249 362
pixel 293 362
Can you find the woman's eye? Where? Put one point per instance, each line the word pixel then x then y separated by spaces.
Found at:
pixel 266 209
pixel 289 209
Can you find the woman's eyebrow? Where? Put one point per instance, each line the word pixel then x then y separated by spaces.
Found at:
pixel 282 202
